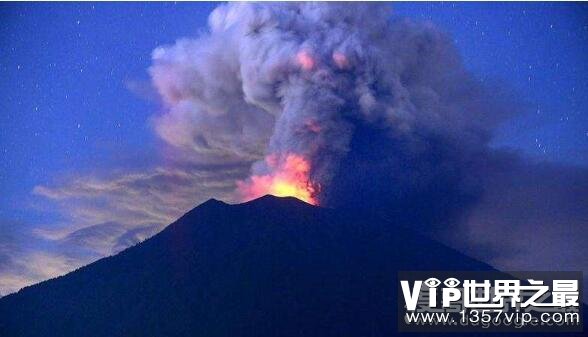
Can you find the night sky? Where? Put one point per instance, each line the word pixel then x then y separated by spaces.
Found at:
pixel 76 103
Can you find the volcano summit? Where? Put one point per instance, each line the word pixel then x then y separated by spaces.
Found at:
pixel 269 267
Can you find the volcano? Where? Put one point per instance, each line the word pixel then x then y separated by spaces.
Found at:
pixel 269 267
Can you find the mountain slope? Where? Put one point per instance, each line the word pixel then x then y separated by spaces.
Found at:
pixel 270 267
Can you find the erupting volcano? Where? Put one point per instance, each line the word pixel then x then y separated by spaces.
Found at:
pixel 334 104
pixel 290 177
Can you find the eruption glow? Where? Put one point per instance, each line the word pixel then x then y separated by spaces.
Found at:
pixel 289 178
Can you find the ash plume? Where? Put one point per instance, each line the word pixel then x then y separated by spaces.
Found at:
pixel 273 81
pixel 344 105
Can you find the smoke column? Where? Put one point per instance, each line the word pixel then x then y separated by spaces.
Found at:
pixel 309 93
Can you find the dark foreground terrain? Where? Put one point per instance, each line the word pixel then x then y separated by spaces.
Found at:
pixel 270 267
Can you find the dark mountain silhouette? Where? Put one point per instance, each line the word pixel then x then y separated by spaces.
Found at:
pixel 269 267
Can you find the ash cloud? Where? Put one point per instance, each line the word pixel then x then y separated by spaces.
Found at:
pixel 25 260
pixel 385 112
pixel 277 79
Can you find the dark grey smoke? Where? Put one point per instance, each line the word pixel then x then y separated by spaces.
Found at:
pixel 300 78
pixel 381 107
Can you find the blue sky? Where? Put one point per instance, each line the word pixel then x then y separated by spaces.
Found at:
pixel 75 98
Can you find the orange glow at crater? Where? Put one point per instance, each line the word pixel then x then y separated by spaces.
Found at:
pixel 289 178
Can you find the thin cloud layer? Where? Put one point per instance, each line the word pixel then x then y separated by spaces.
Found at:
pixel 103 216
pixel 24 259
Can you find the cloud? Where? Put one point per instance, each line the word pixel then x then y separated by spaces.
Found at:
pixel 106 208
pixel 27 269
pixel 104 215
pixel 25 260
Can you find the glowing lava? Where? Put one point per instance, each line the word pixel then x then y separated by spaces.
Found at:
pixel 289 178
